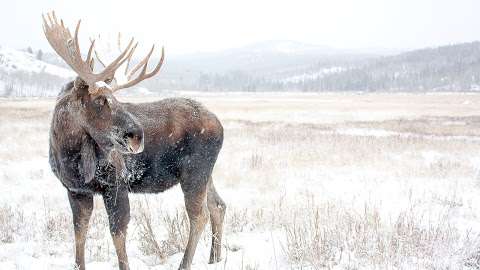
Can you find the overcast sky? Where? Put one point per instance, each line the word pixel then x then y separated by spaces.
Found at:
pixel 204 25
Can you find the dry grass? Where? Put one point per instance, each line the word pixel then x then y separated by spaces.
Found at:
pixel 176 226
pixel 329 235
pixel 11 221
pixel 268 149
pixel 427 125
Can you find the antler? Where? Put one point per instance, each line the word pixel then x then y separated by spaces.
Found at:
pixel 141 65
pixel 68 49
pixel 143 73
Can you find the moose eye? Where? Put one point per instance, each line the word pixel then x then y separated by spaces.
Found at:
pixel 100 101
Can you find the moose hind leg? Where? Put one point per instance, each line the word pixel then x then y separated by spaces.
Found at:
pixel 82 206
pixel 216 207
pixel 118 211
pixel 196 206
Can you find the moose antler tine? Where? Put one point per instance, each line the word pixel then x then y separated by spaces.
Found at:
pixel 145 64
pixel 132 51
pixel 54 17
pixel 109 71
pixel 98 59
pixel 129 50
pixel 143 73
pixel 129 59
pixel 92 64
pixel 140 64
pixel 124 55
pixel 96 53
pixel 147 58
pixel 158 66
pixel 151 51
pixel 49 19
pixel 89 55
pixel 45 24
pixel 160 63
pixel 130 55
pixel 68 32
pixel 77 45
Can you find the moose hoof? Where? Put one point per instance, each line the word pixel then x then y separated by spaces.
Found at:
pixel 214 260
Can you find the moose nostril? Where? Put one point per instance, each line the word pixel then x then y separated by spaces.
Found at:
pixel 132 136
pixel 129 135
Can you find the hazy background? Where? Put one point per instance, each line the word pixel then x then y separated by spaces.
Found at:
pixel 190 26
pixel 370 45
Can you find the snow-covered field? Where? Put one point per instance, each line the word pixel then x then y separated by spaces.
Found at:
pixel 314 181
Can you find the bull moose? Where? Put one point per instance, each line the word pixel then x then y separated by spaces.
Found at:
pixel 99 145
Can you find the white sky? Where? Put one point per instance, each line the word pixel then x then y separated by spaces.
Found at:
pixel 207 25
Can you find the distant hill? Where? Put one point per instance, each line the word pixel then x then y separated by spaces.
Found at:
pixel 446 68
pixel 305 68
pixel 271 66
pixel 22 73
pixel 25 74
pixel 254 67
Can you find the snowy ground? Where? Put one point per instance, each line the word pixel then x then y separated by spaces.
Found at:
pixel 314 181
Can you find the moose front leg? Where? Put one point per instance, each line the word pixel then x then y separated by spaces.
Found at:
pixel 118 210
pixel 82 206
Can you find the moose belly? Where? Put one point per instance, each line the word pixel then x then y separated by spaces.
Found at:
pixel 152 175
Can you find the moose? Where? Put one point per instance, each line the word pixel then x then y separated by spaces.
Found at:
pixel 100 146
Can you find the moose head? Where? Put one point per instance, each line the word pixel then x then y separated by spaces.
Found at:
pixel 96 110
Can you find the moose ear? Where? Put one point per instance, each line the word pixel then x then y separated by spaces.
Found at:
pixel 88 161
pixel 79 83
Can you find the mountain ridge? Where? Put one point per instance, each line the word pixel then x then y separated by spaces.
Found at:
pixel 272 66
